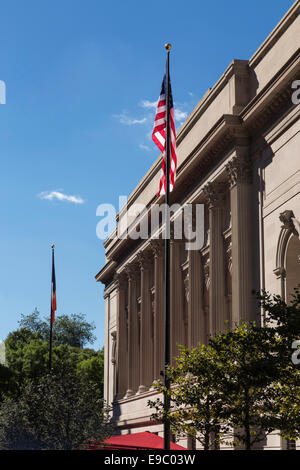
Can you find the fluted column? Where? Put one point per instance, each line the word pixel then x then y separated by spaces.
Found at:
pixel 177 312
pixel 196 323
pixel 214 193
pixel 122 352
pixel 146 343
pixel 158 352
pixel 133 333
pixel 239 171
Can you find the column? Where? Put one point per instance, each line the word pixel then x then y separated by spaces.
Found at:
pixel 133 332
pixel 239 171
pixel 114 362
pixel 177 317
pixel 214 193
pixel 159 327
pixel 196 313
pixel 106 350
pixel 122 337
pixel 146 343
pixel 194 282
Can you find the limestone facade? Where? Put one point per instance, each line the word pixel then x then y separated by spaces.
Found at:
pixel 239 155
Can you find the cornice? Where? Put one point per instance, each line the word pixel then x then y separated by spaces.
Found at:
pixel 106 272
pixel 237 67
pixel 273 37
pixel 229 131
pixel 195 167
pixel 273 97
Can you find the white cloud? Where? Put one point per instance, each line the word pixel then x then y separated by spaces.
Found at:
pixel 191 94
pixel 179 115
pixel 144 147
pixel 148 104
pixel 128 121
pixel 51 195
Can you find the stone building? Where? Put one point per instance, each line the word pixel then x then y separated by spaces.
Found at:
pixel 239 155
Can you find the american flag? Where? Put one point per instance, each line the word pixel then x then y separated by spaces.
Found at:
pixel 159 136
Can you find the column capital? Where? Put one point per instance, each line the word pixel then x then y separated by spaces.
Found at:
pixel 120 279
pixel 156 247
pixel 132 271
pixel 144 259
pixel 239 170
pixel 215 193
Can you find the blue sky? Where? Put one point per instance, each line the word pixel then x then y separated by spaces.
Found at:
pixel 80 79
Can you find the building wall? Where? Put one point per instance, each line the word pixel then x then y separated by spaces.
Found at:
pixel 238 154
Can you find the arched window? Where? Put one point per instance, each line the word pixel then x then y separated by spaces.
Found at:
pixel 288 255
pixel 292 266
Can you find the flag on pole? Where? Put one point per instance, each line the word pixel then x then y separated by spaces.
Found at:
pixel 53 290
pixel 159 136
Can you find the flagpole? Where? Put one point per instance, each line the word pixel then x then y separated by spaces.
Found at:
pixel 51 322
pixel 167 429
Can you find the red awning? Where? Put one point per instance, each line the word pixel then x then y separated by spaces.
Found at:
pixel 139 441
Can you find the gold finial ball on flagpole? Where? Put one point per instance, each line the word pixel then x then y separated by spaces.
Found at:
pixel 168 46
pixel 52 246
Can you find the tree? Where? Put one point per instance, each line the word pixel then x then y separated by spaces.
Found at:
pixel 57 411
pixel 195 395
pixel 229 384
pixel 27 357
pixel 34 323
pixel 7 383
pixel 250 371
pixel 92 369
pixel 285 319
pixel 72 330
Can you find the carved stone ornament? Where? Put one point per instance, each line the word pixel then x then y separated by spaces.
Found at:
pixel 114 347
pixel 239 170
pixel 144 259
pixel 286 219
pixel 157 247
pixel 186 287
pixel 121 280
pixel 214 193
pixel 206 274
pixel 132 271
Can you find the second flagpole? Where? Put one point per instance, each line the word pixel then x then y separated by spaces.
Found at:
pixel 167 429
pixel 52 308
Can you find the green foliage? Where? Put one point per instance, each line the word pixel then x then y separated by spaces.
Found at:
pixel 28 358
pixel 196 396
pixel 57 411
pixel 72 330
pixel 27 351
pixel 285 319
pixel 244 380
pixel 7 383
pixel 61 410
pixel 249 365
pixel 92 369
